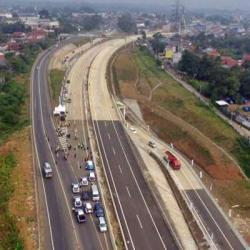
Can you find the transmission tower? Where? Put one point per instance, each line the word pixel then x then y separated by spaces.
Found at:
pixel 179 22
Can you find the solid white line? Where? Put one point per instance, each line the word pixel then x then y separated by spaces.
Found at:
pixel 128 192
pixel 39 166
pixel 112 179
pixel 52 155
pixel 131 170
pixel 119 166
pixel 113 151
pixel 139 221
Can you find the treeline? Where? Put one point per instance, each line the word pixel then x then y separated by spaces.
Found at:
pixel 230 45
pixel 215 81
pixel 6 28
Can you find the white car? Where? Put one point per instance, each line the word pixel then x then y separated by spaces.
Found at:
pixel 133 130
pixel 84 181
pixel 152 144
pixel 88 208
pixel 77 201
pixel 102 224
pixel 91 177
pixel 80 215
pixel 75 188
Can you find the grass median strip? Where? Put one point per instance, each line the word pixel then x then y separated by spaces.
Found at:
pixel 56 78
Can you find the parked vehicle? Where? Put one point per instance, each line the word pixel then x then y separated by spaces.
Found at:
pixel 84 181
pixel 91 176
pixel 95 193
pixel 47 170
pixel 85 195
pixel 77 201
pixel 246 108
pixel 173 161
pixel 102 224
pixel 98 209
pixel 80 215
pixel 88 208
pixel 90 166
pixel 75 188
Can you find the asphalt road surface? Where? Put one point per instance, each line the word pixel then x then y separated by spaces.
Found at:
pixel 59 227
pixel 141 219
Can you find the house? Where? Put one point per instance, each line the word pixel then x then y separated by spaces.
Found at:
pixel 229 62
pixel 13 45
pixel 212 52
pixel 37 35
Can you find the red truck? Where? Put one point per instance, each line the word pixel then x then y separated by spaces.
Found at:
pixel 173 161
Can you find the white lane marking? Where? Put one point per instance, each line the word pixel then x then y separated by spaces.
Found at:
pixel 134 177
pixel 105 123
pixel 40 170
pixel 109 136
pixel 139 221
pixel 112 179
pixel 54 161
pixel 128 192
pixel 119 166
pixel 113 151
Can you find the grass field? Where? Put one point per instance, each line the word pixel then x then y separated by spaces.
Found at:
pixel 179 117
pixel 56 78
pixel 81 42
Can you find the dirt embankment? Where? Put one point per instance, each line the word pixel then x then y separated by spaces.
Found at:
pixel 229 186
pixel 22 203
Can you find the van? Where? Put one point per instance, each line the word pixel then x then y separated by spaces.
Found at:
pixel 95 193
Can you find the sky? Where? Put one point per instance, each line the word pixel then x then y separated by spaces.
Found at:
pixel 189 4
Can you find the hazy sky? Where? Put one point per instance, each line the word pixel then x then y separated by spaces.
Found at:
pixel 198 4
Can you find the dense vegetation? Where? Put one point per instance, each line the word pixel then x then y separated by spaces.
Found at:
pixel 6 28
pixel 9 235
pixel 126 23
pixel 221 82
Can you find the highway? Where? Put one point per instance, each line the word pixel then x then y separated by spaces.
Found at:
pixel 143 224
pixel 221 235
pixel 58 226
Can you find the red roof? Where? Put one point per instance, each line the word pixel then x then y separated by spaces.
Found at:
pixel 2 57
pixel 229 62
pixel 246 58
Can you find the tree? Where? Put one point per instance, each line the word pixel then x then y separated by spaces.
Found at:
pixel 126 24
pixel 91 22
pixel 144 35
pixel 245 83
pixel 189 63
pixel 44 14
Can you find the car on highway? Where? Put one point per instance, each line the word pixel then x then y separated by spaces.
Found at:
pixel 151 144
pixel 102 224
pixel 133 130
pixel 98 210
pixel 90 166
pixel 88 208
pixel 91 177
pixel 47 170
pixel 75 188
pixel 95 193
pixel 84 181
pixel 77 201
pixel 80 215
pixel 85 195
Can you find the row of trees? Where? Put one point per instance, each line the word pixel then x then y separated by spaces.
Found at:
pixel 221 82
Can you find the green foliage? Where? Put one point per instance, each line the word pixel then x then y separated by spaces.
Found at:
pixel 6 28
pixel 44 13
pixel 126 24
pixel 222 82
pixel 56 78
pixel 9 234
pixel 91 22
pixel 242 152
